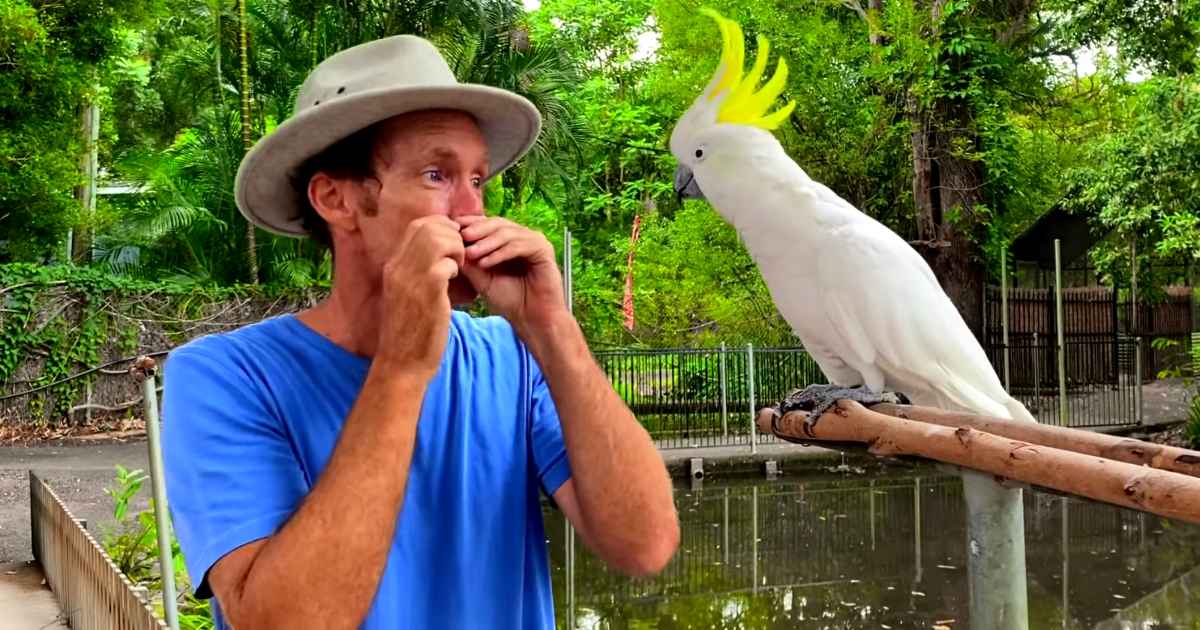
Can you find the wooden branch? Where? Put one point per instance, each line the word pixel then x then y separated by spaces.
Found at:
pixel 856 6
pixel 1129 450
pixel 1142 488
pixel 118 407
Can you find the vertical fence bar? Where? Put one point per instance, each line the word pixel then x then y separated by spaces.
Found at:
pixel 1066 564
pixel 1004 311
pixel 1037 371
pixel 725 531
pixel 1137 381
pixel 754 533
pixel 725 400
pixel 1062 348
pixel 750 383
pixel 917 528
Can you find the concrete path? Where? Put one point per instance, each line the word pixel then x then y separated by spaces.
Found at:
pixel 26 603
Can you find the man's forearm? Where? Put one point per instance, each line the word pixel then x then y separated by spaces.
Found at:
pixel 622 486
pixel 323 567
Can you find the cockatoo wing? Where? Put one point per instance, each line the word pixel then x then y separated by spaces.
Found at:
pixel 891 320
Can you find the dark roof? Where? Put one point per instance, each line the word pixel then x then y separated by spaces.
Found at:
pixel 1036 244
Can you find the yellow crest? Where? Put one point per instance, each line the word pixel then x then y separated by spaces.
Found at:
pixel 744 105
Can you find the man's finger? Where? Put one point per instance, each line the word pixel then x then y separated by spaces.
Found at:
pixel 511 250
pixel 481 229
pixel 490 243
pixel 470 219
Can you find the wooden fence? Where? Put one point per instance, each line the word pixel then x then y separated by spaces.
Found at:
pixel 92 592
pixel 1091 315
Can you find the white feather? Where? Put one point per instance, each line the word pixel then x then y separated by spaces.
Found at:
pixel 863 302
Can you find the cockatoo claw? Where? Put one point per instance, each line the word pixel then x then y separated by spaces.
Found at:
pixel 818 399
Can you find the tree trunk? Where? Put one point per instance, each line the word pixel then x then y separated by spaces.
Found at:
pixel 946 189
pixel 874 25
pixel 247 142
pixel 215 7
pixel 83 234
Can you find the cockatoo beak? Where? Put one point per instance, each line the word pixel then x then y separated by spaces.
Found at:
pixel 685 184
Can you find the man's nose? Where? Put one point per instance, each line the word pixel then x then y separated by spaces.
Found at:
pixel 467 200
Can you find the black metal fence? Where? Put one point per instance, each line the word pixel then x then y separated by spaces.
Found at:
pixel 707 397
pixel 1101 387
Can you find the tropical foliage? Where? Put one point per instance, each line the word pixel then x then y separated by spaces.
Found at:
pixel 957 123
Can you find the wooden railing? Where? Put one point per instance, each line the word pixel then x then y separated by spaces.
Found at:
pixel 92 592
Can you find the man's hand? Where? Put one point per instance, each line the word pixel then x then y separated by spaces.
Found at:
pixel 513 268
pixel 415 306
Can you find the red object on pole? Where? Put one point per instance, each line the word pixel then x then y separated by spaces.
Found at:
pixel 627 302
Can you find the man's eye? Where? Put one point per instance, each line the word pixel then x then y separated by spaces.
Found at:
pixel 477 181
pixel 434 175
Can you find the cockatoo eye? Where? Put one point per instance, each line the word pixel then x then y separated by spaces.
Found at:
pixel 699 153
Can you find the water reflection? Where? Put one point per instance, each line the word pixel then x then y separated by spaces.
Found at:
pixel 879 552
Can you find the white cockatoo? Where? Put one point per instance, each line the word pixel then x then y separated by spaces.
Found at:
pixel 864 303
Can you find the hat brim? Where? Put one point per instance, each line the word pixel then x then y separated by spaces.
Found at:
pixel 264 192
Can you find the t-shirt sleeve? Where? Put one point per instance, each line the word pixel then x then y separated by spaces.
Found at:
pixel 231 474
pixel 549 450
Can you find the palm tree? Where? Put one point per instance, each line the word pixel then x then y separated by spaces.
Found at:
pixel 189 225
pixel 247 139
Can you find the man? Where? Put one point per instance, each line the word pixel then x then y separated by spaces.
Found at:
pixel 376 461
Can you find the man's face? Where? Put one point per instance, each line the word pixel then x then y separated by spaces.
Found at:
pixel 426 163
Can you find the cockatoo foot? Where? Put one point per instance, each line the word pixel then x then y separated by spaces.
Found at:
pixel 817 399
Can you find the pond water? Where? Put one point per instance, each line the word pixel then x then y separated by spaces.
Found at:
pixel 880 551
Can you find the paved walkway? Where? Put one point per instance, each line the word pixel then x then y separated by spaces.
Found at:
pixel 26 603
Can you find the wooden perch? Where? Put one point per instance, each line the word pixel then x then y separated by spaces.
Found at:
pixel 1180 460
pixel 1161 492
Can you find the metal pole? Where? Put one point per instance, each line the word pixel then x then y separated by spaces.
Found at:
pixel 1062 347
pixel 750 376
pixel 996 575
pixel 144 370
pixel 570 582
pixel 724 398
pixel 1004 310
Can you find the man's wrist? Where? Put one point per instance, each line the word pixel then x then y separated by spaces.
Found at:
pixel 555 329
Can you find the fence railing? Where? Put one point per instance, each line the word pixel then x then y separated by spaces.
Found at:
pixel 1101 383
pixel 91 591
pixel 706 397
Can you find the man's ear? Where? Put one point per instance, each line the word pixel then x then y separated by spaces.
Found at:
pixel 334 201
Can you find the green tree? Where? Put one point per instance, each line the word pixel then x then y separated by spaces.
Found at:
pixel 52 55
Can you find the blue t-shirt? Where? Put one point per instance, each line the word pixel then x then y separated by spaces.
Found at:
pixel 251 418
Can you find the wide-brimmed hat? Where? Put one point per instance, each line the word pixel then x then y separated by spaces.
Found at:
pixel 357 88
